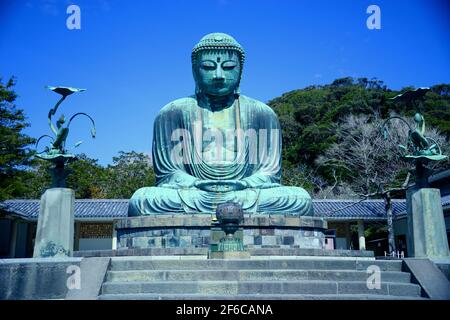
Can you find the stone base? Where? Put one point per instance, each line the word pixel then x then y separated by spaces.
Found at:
pixel 35 278
pixel 203 252
pixel 426 224
pixel 55 228
pixel 200 231
pixel 228 255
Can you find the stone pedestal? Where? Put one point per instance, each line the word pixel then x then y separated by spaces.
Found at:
pixel 195 231
pixel 427 236
pixel 55 228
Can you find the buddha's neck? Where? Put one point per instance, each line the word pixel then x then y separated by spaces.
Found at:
pixel 215 103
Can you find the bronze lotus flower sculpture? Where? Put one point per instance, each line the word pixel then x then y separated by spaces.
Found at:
pixel 65 91
pixel 419 148
pixel 56 152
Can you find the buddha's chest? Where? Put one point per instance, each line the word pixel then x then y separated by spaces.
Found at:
pixel 222 121
pixel 219 135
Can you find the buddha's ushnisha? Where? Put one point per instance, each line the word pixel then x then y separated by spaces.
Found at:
pixel 217 145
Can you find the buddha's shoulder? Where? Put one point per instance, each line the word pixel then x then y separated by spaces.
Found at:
pixel 181 104
pixel 254 104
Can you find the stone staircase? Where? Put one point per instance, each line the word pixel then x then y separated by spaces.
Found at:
pixel 254 279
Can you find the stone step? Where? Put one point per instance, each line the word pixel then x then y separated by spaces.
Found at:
pixel 313 287
pixel 147 263
pixel 198 251
pixel 150 296
pixel 252 275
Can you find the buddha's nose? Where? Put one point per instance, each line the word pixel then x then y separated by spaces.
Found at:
pixel 219 74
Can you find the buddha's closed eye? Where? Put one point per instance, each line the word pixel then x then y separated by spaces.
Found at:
pixel 208 65
pixel 228 65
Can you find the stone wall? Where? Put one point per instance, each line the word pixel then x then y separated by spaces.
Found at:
pixel 200 231
pixel 39 278
pixel 284 238
pixel 445 268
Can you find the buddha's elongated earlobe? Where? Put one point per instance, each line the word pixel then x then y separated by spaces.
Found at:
pixel 198 91
pixel 237 91
pixel 194 73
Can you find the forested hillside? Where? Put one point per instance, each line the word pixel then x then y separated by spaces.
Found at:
pixel 324 124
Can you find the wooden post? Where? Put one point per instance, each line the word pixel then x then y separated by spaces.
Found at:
pixel 348 235
pixel 13 239
pixel 76 242
pixel 390 227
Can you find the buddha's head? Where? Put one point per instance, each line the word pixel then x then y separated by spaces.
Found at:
pixel 217 62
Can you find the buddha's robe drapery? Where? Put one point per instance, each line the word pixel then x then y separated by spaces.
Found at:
pixel 191 143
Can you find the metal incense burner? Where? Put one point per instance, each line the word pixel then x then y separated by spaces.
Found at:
pixel 229 216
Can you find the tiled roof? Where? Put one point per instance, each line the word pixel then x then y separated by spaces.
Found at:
pixel 445 200
pixel 84 208
pixel 349 209
pixel 117 208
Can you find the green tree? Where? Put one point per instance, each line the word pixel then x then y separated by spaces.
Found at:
pixel 15 150
pixel 86 177
pixel 39 179
pixel 129 172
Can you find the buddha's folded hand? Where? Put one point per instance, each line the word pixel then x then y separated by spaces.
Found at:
pixel 220 185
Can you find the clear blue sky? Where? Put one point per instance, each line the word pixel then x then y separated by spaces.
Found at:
pixel 134 56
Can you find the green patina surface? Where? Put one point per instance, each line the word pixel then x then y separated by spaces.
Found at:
pixel 418 149
pixel 218 145
pixel 57 152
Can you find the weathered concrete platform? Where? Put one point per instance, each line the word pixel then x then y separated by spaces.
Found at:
pixel 148 278
pixel 37 278
pixel 195 277
pixel 202 252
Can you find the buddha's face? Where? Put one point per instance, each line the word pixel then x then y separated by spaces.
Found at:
pixel 218 72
